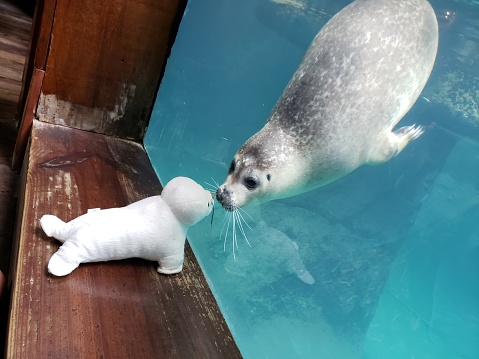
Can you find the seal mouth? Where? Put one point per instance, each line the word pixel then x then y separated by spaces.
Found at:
pixel 224 198
pixel 228 207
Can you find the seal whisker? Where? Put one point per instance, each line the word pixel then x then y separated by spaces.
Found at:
pixel 212 189
pixel 224 223
pixel 228 216
pixel 235 242
pixel 244 220
pixel 215 182
pixel 244 211
pixel 234 220
pixel 240 225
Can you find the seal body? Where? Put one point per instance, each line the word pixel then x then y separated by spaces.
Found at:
pixel 362 73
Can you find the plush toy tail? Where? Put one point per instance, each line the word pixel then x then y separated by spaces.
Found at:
pixel 52 226
pixel 59 267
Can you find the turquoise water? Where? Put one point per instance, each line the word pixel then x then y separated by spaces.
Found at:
pixel 383 263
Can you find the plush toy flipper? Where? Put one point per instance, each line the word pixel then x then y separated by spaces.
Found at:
pixel 59 267
pixel 171 265
pixel 52 226
pixel 170 271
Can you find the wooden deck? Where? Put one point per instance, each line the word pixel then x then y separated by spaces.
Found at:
pixel 120 309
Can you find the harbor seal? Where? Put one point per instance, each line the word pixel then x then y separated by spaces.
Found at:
pixel 362 73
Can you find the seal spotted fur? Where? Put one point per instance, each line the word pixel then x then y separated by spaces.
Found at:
pixel 362 73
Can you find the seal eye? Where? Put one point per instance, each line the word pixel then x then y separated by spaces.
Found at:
pixel 268 177
pixel 250 183
pixel 232 167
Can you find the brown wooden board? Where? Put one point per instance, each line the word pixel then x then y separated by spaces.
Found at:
pixel 14 36
pixel 120 309
pixel 104 64
pixel 8 190
pixel 39 43
pixel 27 118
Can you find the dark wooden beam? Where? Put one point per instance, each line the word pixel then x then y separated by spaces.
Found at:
pixel 38 47
pixel 27 118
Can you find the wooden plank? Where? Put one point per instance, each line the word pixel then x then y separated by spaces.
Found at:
pixel 14 24
pixel 104 64
pixel 117 309
pixel 39 43
pixel 27 118
pixel 14 32
pixel 42 32
pixel 8 186
pixel 8 133
pixel 14 35
pixel 10 77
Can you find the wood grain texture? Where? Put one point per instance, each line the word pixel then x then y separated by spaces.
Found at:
pixel 39 44
pixel 120 309
pixel 8 190
pixel 14 36
pixel 27 118
pixel 104 64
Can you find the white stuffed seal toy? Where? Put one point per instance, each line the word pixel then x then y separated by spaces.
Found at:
pixel 153 228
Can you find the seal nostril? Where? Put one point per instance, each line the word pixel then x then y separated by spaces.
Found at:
pixel 219 195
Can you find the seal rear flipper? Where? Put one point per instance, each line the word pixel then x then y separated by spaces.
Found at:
pixel 305 276
pixel 296 265
pixel 59 267
pixel 52 226
pixel 393 143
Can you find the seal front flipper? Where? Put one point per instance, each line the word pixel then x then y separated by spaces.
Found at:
pixel 393 143
pixel 172 264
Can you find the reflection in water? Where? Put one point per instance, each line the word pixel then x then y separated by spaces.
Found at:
pixel 271 254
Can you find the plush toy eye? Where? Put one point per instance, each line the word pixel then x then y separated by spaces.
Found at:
pixel 250 183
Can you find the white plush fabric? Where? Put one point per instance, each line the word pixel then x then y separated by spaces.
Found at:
pixel 153 228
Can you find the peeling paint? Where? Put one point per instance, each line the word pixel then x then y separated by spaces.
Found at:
pixel 65 161
pixel 63 112
pixel 126 94
pixel 67 184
